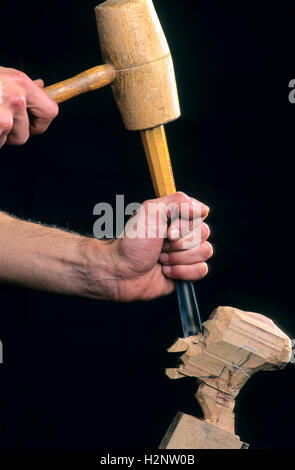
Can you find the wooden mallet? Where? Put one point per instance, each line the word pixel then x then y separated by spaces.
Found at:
pixel 139 67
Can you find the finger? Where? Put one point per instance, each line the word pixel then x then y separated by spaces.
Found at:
pixel 39 82
pixel 158 212
pixel 42 108
pixel 181 228
pixel 19 133
pixel 198 254
pixel 195 238
pixel 186 206
pixel 192 272
pixel 6 124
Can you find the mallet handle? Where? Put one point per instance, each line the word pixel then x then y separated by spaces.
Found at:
pixel 90 80
pixel 158 158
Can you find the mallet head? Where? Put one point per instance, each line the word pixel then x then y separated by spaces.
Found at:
pixel 132 39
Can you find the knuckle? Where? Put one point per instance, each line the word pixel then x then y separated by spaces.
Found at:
pixel 41 128
pixel 181 196
pixel 18 102
pixel 148 207
pixel 53 111
pixel 146 203
pixel 20 77
pixel 6 124
pixel 18 140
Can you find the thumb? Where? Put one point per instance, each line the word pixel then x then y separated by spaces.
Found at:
pixel 39 82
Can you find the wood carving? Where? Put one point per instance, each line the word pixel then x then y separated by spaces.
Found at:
pixel 234 346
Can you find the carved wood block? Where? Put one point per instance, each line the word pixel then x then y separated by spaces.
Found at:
pixel 234 346
pixel 188 432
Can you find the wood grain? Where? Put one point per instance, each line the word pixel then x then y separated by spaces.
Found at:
pixel 92 79
pixel 158 158
pixel 235 345
pixel 188 432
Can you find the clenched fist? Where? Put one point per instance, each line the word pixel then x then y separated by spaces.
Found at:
pixel 25 108
pixel 152 253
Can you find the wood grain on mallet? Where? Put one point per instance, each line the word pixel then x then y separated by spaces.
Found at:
pixel 132 39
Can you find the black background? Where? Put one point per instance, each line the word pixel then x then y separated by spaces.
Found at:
pixel 85 374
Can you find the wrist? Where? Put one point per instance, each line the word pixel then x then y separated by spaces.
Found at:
pixel 97 273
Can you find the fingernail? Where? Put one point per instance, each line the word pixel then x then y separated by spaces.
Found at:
pixel 175 234
pixel 164 258
pixel 166 269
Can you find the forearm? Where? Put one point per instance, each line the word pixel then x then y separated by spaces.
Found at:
pixel 49 259
pixel 126 269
